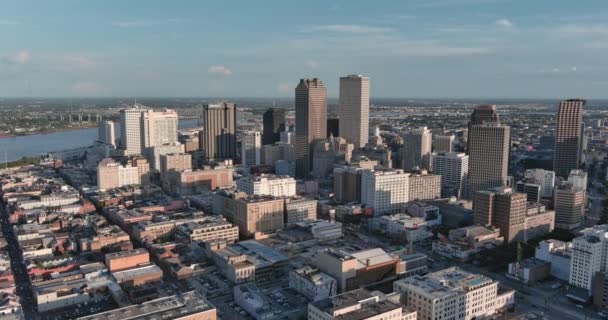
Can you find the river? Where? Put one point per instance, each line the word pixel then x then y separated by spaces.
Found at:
pixel 41 144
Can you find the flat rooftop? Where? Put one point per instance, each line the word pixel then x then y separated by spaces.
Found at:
pixel 448 282
pixel 129 253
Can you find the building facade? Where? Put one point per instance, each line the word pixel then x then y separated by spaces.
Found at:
pixel 311 121
pixel 568 137
pixel 354 109
pixel 218 139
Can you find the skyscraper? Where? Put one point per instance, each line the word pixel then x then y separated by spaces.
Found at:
pixel 488 156
pixel 482 114
pixel 417 149
pixel 218 139
pixel 251 148
pixel 142 127
pixel 274 124
pixel 354 109
pixel 131 130
pixel 569 204
pixel 311 122
pixel 443 143
pixel 502 208
pixel 453 167
pixel 568 137
pixel 106 132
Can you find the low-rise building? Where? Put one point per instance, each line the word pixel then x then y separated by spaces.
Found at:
pixel 463 243
pixel 360 304
pixel 557 254
pixel 312 283
pixel 299 209
pixel 212 228
pixel 123 260
pixel 272 185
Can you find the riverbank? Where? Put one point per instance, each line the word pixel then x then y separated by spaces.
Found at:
pixel 44 132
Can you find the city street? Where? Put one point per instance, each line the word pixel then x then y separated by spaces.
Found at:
pixel 22 280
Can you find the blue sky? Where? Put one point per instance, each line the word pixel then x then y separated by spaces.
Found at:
pixel 409 48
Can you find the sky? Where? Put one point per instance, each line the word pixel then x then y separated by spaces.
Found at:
pixel 409 48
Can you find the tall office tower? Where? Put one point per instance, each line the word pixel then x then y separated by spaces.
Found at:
pixel 354 109
pixel 502 208
pixel 311 122
pixel 443 143
pixel 482 114
pixel 106 132
pixel 131 130
pixel 453 167
pixel 588 256
pixel 544 178
pixel 569 205
pixel 568 137
pixel 384 191
pixel 347 184
pixel 274 124
pixel 218 140
pixel 251 148
pixel 333 127
pixel 417 149
pixel 159 127
pixel 488 156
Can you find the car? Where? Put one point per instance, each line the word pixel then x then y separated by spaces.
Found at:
pixel 579 306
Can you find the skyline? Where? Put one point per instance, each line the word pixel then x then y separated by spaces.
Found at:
pixel 424 49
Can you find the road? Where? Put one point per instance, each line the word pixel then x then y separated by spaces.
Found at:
pixel 22 280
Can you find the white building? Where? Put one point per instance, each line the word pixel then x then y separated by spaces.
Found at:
pixel 588 256
pixel 106 132
pixel 544 178
pixel 141 127
pixel 443 143
pixel 453 294
pixel 354 109
pixel 278 186
pixel 453 167
pixel 300 210
pixel 578 178
pixel 416 151
pixel 385 191
pixel 558 254
pixel 360 304
pixel 153 153
pixel 251 148
pixel 312 283
pixel 424 186
pixel 401 225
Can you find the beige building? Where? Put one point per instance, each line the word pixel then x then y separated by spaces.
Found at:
pixel 214 228
pixel 218 139
pixel 502 208
pixel 111 174
pixel 443 143
pixel 453 294
pixel 311 122
pixel 416 152
pixel 252 214
pixel 424 186
pixel 189 181
pixel 300 210
pixel 354 109
pixel 271 185
pixel 489 146
pixel 569 204
pixel 360 304
pixel 384 191
pixel 153 153
pixel 175 162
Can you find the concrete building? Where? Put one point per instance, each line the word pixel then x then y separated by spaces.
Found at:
pixel 424 186
pixel 106 132
pixel 453 294
pixel 300 210
pixel 271 185
pixel 111 174
pixel 354 269
pixel 384 191
pixel 443 143
pixel 279 151
pixel 489 147
pixel 578 178
pixel 360 304
pixel 588 256
pixel 142 128
pixel 153 153
pixel 212 228
pixel 402 226
pixel 417 149
pixel 274 125
pixel 411 264
pixel 453 168
pixel 138 276
pixel 482 114
pixel 501 208
pixel 463 243
pixel 218 139
pixel 252 214
pixel 538 221
pixel 251 152
pixel 354 109
pixel 187 306
pixel 545 179
pixel 311 121
pixel 312 283
pixel 568 137
pixel 569 205
pixel 187 182
pixel 288 137
pixel 347 184
pixel 558 254
pixel 175 162
pixel 124 260
pixel 131 130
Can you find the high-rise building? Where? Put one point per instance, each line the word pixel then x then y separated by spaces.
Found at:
pixel 106 132
pixel 488 156
pixel 384 191
pixel 544 178
pixel 482 114
pixel 347 184
pixel 578 178
pixel 588 256
pixel 153 153
pixel 424 186
pixel 251 148
pixel 141 128
pixel 443 143
pixel 271 153
pixel 268 185
pixel 417 149
pixel 218 139
pixel 569 205
pixel 274 124
pixel 311 121
pixel 288 137
pixel 568 137
pixel 175 161
pixel 333 127
pixel 453 293
pixel 111 174
pixel 453 167
pixel 252 214
pixel 354 109
pixel 501 208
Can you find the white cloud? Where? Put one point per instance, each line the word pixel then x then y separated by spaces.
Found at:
pixel 348 28
pixel 504 23
pixel 87 88
pixel 7 22
pixel 141 23
pixel 312 64
pixel 219 69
